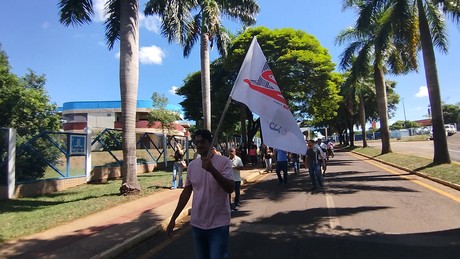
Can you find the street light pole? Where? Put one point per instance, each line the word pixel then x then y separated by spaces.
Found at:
pixel 404 109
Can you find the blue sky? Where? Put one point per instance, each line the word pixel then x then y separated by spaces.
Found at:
pixel 79 67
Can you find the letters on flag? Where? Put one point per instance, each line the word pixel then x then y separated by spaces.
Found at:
pixel 256 87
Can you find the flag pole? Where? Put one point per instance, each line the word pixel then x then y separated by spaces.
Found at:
pixel 219 126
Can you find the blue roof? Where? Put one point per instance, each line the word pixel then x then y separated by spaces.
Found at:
pixel 86 105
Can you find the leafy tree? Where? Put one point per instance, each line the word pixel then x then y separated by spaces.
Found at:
pixel 25 106
pixel 302 67
pixel 451 113
pixel 122 24
pixel 188 21
pixel 404 125
pixel 159 113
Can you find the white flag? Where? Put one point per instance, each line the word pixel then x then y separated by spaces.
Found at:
pixel 256 87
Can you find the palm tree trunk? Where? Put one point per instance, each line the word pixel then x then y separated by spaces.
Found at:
pixel 205 80
pixel 129 77
pixel 362 119
pixel 382 107
pixel 441 152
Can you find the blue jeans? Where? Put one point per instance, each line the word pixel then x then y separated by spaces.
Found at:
pixel 282 166
pixel 268 164
pixel 211 243
pixel 237 192
pixel 177 175
pixel 315 175
pixel 296 165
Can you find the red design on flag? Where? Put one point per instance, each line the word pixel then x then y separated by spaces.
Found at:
pixel 267 91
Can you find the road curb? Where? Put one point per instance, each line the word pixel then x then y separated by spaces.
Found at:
pixel 139 238
pixel 434 179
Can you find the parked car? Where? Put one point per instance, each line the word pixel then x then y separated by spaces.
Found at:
pixel 431 135
pixel 450 129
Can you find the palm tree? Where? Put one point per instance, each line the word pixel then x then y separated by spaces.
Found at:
pixel 431 29
pixel 121 23
pixel 186 21
pixel 355 94
pixel 419 24
pixel 370 46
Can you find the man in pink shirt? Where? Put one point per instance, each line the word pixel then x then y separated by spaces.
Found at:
pixel 211 181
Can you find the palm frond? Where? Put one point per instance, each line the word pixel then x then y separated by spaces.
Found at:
pixel 437 26
pixel 450 8
pixel 112 23
pixel 175 16
pixel 210 18
pixel 193 35
pixel 75 12
pixel 242 10
pixel 223 40
pixel 348 34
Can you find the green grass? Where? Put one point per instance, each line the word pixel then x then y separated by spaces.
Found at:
pixel 446 172
pixel 26 216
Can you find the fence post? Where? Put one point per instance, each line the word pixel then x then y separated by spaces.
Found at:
pixel 11 164
pixel 88 154
pixel 165 148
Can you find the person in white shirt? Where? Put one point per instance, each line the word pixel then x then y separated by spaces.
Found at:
pixel 237 165
pixel 210 180
pixel 322 147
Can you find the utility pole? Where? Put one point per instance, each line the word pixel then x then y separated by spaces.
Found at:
pixel 404 109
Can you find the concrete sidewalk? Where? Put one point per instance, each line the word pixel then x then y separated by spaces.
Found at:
pixel 107 233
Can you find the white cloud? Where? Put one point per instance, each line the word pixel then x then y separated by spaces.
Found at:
pixel 173 90
pixel 151 55
pixel 422 92
pixel 99 10
pixel 45 25
pixel 148 55
pixel 151 23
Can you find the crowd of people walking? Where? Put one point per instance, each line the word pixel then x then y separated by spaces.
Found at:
pixel 212 178
pixel 271 159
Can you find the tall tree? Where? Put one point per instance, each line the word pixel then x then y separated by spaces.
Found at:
pixel 302 67
pixel 451 113
pixel 187 21
pixel 420 24
pixel 25 106
pixel 369 46
pixel 122 23
pixel 356 94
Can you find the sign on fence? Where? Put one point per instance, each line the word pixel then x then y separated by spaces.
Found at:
pixel 77 145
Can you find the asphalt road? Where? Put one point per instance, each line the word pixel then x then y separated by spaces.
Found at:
pixel 366 210
pixel 422 148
